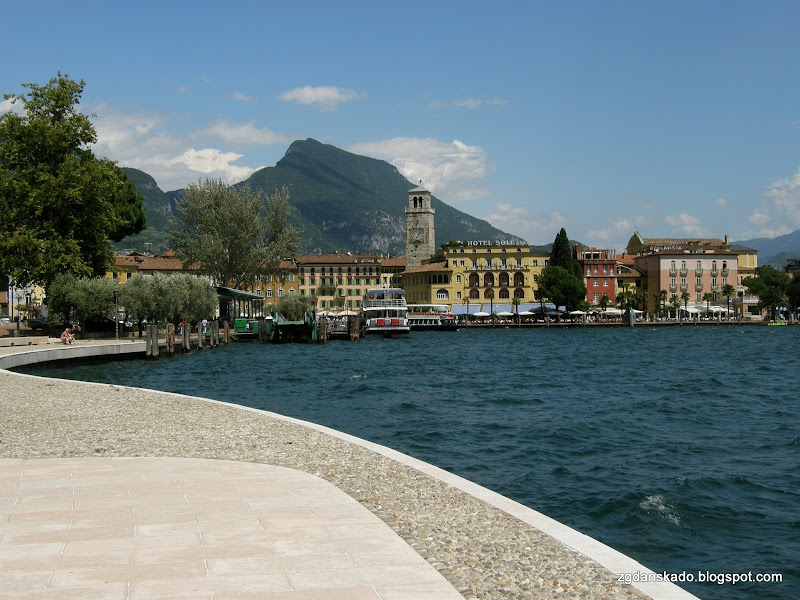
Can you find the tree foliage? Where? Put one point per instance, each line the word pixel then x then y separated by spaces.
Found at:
pixel 561 255
pixel 233 233
pixel 294 307
pixel 61 204
pixel 83 300
pixel 562 287
pixel 172 298
pixel 771 287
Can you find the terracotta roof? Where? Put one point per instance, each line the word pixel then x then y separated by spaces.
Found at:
pixel 395 261
pixel 437 266
pixel 333 259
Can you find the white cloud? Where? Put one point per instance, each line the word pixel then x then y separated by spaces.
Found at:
pixel 615 235
pixel 468 103
pixel 9 106
pixel 759 219
pixel 243 133
pixel 687 225
pixel 143 141
pixel 779 212
pixel 326 98
pixel 243 97
pixel 720 202
pixel 527 224
pixel 448 169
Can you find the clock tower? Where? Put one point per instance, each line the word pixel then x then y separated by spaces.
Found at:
pixel 420 238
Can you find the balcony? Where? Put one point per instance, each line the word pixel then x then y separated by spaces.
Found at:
pixel 684 272
pixel 714 272
pixel 725 272
pixel 673 272
pixel 699 287
pixel 699 271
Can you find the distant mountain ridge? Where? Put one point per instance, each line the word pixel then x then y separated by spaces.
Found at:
pixel 340 201
pixel 775 251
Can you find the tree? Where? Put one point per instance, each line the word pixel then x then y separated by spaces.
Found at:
pixel 685 297
pixel 294 307
pixel 770 285
pixel 61 205
pixel 728 290
pixel 561 255
pixel 233 233
pixel 173 298
pixel 707 298
pixel 85 300
pixel 561 287
pixel 604 302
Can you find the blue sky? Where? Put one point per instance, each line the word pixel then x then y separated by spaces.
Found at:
pixel 674 119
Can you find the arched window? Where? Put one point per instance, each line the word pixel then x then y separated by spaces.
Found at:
pixel 519 279
pixel 474 280
pixel 519 293
pixel 474 294
pixel 503 279
pixel 442 294
pixel 488 279
pixel 503 293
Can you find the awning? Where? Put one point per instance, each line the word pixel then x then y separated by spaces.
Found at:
pixel 232 294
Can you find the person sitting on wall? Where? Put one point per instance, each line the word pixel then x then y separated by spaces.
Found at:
pixel 67 337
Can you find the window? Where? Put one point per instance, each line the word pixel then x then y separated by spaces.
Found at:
pixel 461 262
pixel 291 291
pixel 280 292
pixel 594 282
pixel 672 265
pixel 683 266
pixel 442 295
pixel 458 278
pixel 458 295
pixel 534 263
pixel 594 297
pixel 605 282
pixel 269 293
pixel 699 267
pixel 291 277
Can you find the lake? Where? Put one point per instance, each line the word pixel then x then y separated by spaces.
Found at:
pixel 678 446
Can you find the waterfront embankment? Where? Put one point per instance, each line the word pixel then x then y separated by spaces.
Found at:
pixel 485 545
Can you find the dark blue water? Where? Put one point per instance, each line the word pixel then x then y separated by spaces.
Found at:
pixel 677 446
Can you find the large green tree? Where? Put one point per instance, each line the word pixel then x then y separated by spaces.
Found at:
pixel 562 280
pixel 771 286
pixel 233 233
pixel 59 204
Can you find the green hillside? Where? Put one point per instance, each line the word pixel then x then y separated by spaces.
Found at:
pixel 346 202
pixel 159 209
pixel 339 201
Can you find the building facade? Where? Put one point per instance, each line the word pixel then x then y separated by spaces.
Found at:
pixel 599 273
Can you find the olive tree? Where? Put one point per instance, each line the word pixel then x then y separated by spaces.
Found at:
pixel 233 233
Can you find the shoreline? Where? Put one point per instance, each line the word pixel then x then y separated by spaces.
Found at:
pixel 484 544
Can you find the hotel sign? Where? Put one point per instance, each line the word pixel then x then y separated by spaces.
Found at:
pixel 493 243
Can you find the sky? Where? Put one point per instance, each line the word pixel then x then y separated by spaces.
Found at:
pixel 673 119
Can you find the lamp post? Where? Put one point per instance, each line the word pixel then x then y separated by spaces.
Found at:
pixel 116 314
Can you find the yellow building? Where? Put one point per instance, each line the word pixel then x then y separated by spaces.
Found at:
pixel 478 277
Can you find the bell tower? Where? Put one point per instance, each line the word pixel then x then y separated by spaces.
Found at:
pixel 420 236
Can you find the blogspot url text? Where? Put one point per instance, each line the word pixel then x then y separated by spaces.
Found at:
pixel 700 577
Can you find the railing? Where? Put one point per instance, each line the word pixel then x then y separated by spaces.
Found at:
pixel 673 272
pixel 684 272
pixel 699 271
pixel 385 303
pixel 725 272
pixel 699 287
pixel 714 271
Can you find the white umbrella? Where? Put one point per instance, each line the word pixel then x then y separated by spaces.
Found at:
pixel 526 313
pixel 505 313
pixel 481 314
pixel 577 312
pixel 612 311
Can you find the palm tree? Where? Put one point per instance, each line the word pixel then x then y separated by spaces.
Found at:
pixel 707 298
pixel 490 295
pixel 466 316
pixel 728 290
pixel 771 298
pixel 515 302
pixel 662 296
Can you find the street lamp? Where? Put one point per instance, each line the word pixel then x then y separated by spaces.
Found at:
pixel 116 314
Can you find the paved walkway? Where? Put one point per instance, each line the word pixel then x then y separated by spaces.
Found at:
pixel 171 528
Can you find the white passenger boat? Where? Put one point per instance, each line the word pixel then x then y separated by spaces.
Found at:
pixel 384 311
pixel 431 317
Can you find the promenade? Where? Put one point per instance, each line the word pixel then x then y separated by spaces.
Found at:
pixel 117 492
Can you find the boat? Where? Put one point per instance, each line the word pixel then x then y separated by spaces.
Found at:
pixel 431 317
pixel 384 311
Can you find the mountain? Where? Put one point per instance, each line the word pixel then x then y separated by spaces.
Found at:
pixel 775 251
pixel 338 200
pixel 351 203
pixel 159 207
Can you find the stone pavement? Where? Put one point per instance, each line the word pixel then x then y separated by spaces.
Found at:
pixel 173 528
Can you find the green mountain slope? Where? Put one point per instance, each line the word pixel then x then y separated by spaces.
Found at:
pixel 339 201
pixel 346 202
pixel 159 209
